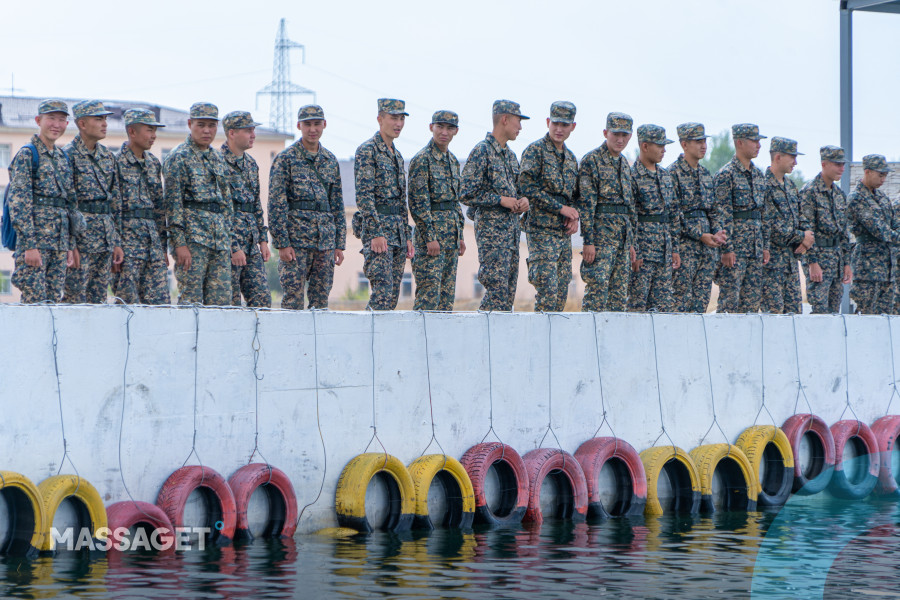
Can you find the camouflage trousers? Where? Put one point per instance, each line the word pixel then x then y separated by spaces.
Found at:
pixel 435 278
pixel 497 236
pixel 250 280
pixel 873 297
pixel 384 271
pixel 825 296
pixel 740 286
pixel 606 279
pixel 142 282
pixel 549 269
pixel 651 288
pixel 313 266
pixel 208 280
pixel 44 283
pixel 90 282
pixel 781 290
pixel 692 281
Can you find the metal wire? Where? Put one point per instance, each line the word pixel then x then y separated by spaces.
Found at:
pixel 318 420
pixel 491 387
pixel 600 382
pixel 550 389
pixel 256 346
pixel 374 425
pixel 894 391
pixel 762 371
pixel 54 341
pixel 800 389
pixel 430 402
pixel 193 451
pixel 662 422
pixel 847 377
pixel 712 395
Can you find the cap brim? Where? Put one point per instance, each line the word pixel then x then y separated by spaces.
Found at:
pixel 566 121
pixel 445 123
pixel 311 119
pixel 619 130
pixel 396 112
pixel 47 112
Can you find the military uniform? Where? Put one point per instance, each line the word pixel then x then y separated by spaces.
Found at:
pixel 824 212
pixel 200 214
pixel 434 183
pixel 692 282
pixel 490 172
pixel 249 223
pixel 39 207
pixel 741 200
pixel 306 213
pixel 549 179
pixel 608 222
pixel 141 223
pixel 381 199
pixel 97 191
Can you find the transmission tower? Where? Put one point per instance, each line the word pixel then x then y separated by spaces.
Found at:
pixel 280 88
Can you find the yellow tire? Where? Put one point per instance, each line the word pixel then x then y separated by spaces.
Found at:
pixel 676 466
pixel 27 517
pixel 457 490
pixel 350 497
pixel 769 451
pixel 54 490
pixel 728 464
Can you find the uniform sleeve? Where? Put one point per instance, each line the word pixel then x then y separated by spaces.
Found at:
pixel 587 201
pixel 724 205
pixel 530 181
pixel 115 190
pixel 279 176
pixel 864 210
pixel 808 218
pixel 845 236
pixel 21 201
pixel 364 174
pixel 174 195
pixel 336 201
pixel 158 198
pixel 258 213
pixel 475 189
pixel 404 197
pixel 420 197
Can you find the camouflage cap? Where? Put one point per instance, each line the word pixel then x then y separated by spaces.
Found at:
pixel 49 106
pixel 507 107
pixel 392 106
pixel 448 117
pixel 238 119
pixel 784 145
pixel 691 131
pixel 204 110
pixel 833 154
pixel 90 108
pixel 562 112
pixel 617 122
pixel 653 134
pixel 746 131
pixel 310 112
pixel 137 116
pixel 876 162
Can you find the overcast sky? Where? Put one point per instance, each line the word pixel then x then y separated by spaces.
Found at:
pixel 771 62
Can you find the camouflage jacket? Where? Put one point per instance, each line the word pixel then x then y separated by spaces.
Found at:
pixel 434 179
pixel 824 212
pixel 96 187
pixel 199 177
pixel 697 203
pixel 381 182
pixel 549 179
pixel 490 171
pixel 38 225
pixel 743 191
pixel 298 175
pixel 782 222
pixel 249 222
pixel 604 179
pixel 872 218
pixel 659 220
pixel 140 188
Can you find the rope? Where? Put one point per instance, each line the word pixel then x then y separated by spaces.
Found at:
pixel 662 422
pixel 600 381
pixel 54 341
pixel 318 421
pixel 800 388
pixel 894 392
pixel 430 403
pixel 196 369
pixel 847 377
pixel 762 373
pixel 491 388
pixel 712 396
pixel 550 390
pixel 374 425
pixel 255 345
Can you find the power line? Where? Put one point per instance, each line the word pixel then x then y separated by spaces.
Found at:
pixel 280 89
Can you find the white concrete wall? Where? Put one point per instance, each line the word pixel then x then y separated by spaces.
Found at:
pixel 159 404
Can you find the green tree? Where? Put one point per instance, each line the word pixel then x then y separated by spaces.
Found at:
pixel 721 150
pixel 798 178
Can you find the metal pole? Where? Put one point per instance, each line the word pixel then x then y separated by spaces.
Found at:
pixel 846 50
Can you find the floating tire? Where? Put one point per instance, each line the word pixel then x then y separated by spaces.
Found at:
pixel 555 468
pixel 813 447
pixel 134 515
pixel 381 474
pixel 221 516
pixel 886 430
pixel 86 502
pixel 769 452
pixel 616 482
pixel 858 462
pixel 496 467
pixel 727 480
pixel 442 487
pixel 24 508
pixel 681 483
pixel 279 496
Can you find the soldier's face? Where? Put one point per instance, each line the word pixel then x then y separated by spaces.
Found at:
pixel 203 131
pixel 391 125
pixel 873 179
pixel 512 125
pixel 784 162
pixel 243 138
pixel 694 149
pixel 92 127
pixel 142 135
pixel 52 125
pixel 443 133
pixel 559 132
pixel 653 152
pixel 832 170
pixel 747 148
pixel 311 130
pixel 616 140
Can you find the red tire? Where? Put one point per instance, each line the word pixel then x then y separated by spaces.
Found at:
pixel 282 503
pixel 542 463
pixel 843 485
pixel 509 470
pixel 131 514
pixel 816 478
pixel 178 487
pixel 886 430
pixel 627 470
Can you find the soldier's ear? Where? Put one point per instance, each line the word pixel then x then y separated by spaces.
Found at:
pixel 324 123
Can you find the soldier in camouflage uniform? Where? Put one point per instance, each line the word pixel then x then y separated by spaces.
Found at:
pixel 786 240
pixel 741 200
pixel 872 218
pixel 659 223
pixel 97 191
pixel 697 245
pixel 200 212
pixel 608 218
pixel 490 190
pixel 141 223
pixel 40 200
pixel 549 178
pixel 306 214
pixel 823 210
pixel 434 205
pixel 381 199
pixel 250 237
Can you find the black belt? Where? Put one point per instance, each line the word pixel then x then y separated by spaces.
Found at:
pixel 865 238
pixel 825 241
pixel 747 214
pixel 48 201
pixel 95 207
pixel 384 209
pixel 613 209
pixel 246 207
pixel 214 207
pixel 695 214
pixel 661 218
pixel 443 205
pixel 305 205
pixel 139 213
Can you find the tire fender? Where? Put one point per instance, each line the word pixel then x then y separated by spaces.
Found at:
pixel 350 496
pixel 595 453
pixel 30 529
pixel 795 428
pixel 755 443
pixel 886 430
pixel 177 488
pixel 477 462
pixel 130 513
pixel 539 463
pixel 687 491
pixel 55 489
pixel 840 485
pixel 246 480
pixel 707 458
pixel 423 470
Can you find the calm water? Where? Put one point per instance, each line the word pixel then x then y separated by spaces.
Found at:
pixel 806 550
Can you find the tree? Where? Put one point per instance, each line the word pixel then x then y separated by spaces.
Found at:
pixel 721 150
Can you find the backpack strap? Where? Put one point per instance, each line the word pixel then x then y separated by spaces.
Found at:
pixel 35 159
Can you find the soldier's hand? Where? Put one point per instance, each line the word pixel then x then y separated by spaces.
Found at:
pixel 287 254
pixel 569 213
pixel 379 245
pixel 632 253
pixel 766 257
pixel 239 259
pixel 183 257
pixel 76 258
pixel 462 247
pixel 33 258
pixel 848 275
pixel 118 257
pixel 522 205
pixel 815 272
pixel 710 240
pixel 721 236
pixel 571 226
pixel 338 256
pixel 433 248
pixel 809 238
pixel 166 259
pixel 676 260
pixel 588 253
pixel 636 264
pixel 264 250
pixel 509 202
pixel 410 251
pixel 729 259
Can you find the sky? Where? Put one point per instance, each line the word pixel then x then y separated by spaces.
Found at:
pixel 771 62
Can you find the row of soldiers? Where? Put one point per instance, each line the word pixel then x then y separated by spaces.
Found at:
pixel 654 238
